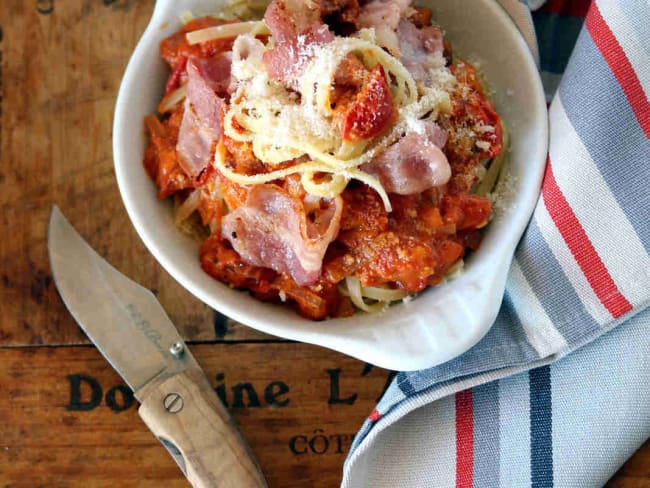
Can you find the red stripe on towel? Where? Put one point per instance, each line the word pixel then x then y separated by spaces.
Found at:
pixel 620 65
pixel 581 247
pixel 464 440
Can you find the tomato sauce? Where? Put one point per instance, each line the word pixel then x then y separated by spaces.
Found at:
pixel 410 248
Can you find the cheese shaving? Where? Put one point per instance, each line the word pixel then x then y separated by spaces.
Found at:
pixel 226 31
pixel 173 98
pixel 282 126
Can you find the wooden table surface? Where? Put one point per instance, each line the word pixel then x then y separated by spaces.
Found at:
pixel 66 418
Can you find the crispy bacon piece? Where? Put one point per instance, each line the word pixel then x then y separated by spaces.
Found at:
pixel 201 125
pixel 215 72
pixel 201 95
pixel 287 61
pixel 298 27
pixel 383 13
pixel 384 16
pixel 275 230
pixel 176 51
pixel 414 163
pixel 372 112
pixel 420 49
pixel 288 18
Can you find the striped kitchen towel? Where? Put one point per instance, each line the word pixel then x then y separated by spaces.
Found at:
pixel 507 412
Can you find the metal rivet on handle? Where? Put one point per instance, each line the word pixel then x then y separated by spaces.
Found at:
pixel 177 349
pixel 173 402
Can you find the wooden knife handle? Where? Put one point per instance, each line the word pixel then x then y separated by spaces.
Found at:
pixel 189 420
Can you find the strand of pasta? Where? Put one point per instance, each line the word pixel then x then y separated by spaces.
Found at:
pixel 170 100
pixel 226 31
pixel 331 189
pixel 352 288
pixel 255 127
pixel 278 131
pixel 249 121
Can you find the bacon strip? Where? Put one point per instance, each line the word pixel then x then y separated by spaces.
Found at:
pixel 215 71
pixel 288 60
pixel 384 17
pixel 278 231
pixel 201 125
pixel 421 49
pixel 288 18
pixel 414 163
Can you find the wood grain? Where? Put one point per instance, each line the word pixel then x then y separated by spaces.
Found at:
pixel 60 75
pixel 635 473
pixel 61 62
pixel 184 414
pixel 46 443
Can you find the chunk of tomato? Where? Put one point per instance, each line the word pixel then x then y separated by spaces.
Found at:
pixel 468 212
pixel 372 112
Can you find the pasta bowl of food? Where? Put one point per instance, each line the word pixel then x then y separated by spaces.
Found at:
pixel 355 176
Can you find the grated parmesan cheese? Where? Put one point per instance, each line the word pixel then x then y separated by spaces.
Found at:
pixel 283 125
pixel 484 145
pixel 504 192
pixel 481 128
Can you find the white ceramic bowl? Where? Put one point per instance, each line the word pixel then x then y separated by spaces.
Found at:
pixel 442 322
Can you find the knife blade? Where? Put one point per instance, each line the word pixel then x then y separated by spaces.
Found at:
pixel 132 331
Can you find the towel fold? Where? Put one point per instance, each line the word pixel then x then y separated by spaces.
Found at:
pixel 507 412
